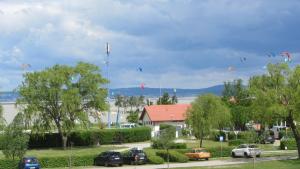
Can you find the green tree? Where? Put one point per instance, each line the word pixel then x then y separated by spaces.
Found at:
pixel 133 117
pixel 165 99
pixel 61 97
pixel 207 112
pixel 15 141
pixel 166 139
pixel 2 120
pixel 119 101
pixel 237 98
pixel 277 97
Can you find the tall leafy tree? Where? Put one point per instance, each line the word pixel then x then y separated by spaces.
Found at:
pixel 60 97
pixel 277 97
pixel 238 99
pixel 119 101
pixel 207 112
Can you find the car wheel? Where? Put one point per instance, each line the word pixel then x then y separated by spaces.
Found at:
pixel 246 155
pixel 258 155
pixel 206 159
pixel 95 162
pixel 120 165
pixel 106 164
pixel 233 155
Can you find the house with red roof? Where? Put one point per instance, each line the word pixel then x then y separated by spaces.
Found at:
pixel 154 115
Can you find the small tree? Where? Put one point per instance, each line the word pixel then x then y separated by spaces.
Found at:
pixel 165 99
pixel 133 117
pixel 166 138
pixel 2 120
pixel 207 111
pixel 15 141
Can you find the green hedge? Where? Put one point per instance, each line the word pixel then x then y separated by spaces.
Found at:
pixel 289 143
pixel 236 142
pixel 53 162
pixel 216 151
pixel 174 156
pixel 158 145
pixel 152 157
pixel 92 137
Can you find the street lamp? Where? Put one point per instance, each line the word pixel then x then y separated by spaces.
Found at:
pixel 107 47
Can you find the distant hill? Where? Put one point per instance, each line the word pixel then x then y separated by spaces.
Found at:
pixel 155 92
pixel 135 91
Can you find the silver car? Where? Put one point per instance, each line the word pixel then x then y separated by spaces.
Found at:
pixel 246 150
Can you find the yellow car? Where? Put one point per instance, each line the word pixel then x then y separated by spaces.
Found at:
pixel 198 153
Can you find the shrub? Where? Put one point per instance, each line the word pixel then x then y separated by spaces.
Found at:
pixel 216 151
pixel 215 135
pixel 152 157
pixel 170 128
pixel 236 142
pixel 174 156
pixel 290 143
pixel 157 145
pixel 288 134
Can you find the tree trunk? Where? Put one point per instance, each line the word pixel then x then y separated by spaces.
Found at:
pixel 295 132
pixel 64 140
pixel 201 139
pixel 168 158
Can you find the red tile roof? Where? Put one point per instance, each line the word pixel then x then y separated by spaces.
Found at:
pixel 176 112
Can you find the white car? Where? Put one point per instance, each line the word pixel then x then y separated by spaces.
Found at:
pixel 246 150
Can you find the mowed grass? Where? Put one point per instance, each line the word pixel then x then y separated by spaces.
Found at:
pixel 211 144
pixel 288 164
pixel 74 152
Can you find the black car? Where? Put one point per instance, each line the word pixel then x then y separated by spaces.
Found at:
pixel 135 156
pixel 109 158
pixel 29 163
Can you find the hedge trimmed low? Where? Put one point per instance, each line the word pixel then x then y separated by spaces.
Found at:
pixel 290 144
pixel 236 142
pixel 174 156
pixel 152 157
pixel 158 145
pixel 92 137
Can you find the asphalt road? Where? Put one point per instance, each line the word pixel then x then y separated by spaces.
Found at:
pixel 203 163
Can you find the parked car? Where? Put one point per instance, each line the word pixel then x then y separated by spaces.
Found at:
pixel 198 153
pixel 109 158
pixel 135 156
pixel 29 163
pixel 268 140
pixel 246 150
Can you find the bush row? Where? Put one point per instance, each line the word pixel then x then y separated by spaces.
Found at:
pixel 174 156
pixel 236 142
pixel 158 145
pixel 52 162
pixel 92 137
pixel 290 144
pixel 152 157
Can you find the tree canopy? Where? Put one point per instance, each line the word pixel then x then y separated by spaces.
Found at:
pixel 166 99
pixel 62 96
pixel 2 120
pixel 277 97
pixel 207 112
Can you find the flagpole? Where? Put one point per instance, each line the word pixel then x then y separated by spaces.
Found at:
pixel 108 96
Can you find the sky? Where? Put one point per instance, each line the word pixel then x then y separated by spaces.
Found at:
pixel 177 43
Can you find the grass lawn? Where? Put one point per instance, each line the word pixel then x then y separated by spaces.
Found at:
pixel 210 144
pixel 75 151
pixel 289 164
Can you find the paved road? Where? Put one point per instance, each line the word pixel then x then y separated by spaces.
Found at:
pixel 202 163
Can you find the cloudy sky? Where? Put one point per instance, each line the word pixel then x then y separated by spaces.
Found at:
pixel 178 43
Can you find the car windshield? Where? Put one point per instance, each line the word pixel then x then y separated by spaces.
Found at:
pixel 253 146
pixel 30 160
pixel 200 151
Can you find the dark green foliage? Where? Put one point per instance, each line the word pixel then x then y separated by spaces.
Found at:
pixel 288 134
pixel 215 135
pixel 216 151
pixel 92 137
pixel 133 117
pixel 173 155
pixel 152 157
pixel 158 145
pixel 236 142
pixel 289 143
pixel 166 99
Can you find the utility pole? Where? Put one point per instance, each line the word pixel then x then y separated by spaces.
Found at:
pixel 107 47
